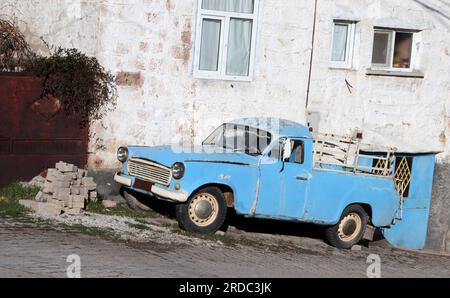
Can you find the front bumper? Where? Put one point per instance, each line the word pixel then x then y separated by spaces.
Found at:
pixel 158 191
pixel 123 180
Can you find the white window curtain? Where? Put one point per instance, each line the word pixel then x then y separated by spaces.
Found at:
pixel 210 44
pixel 239 47
pixel 340 37
pixel 225 47
pixel 241 6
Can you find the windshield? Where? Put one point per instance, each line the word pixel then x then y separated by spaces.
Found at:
pixel 240 138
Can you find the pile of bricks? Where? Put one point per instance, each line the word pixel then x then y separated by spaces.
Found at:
pixel 66 190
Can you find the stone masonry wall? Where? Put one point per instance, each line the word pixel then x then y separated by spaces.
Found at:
pixel 439 226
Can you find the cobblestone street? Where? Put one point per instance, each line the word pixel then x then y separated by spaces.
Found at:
pixel 28 251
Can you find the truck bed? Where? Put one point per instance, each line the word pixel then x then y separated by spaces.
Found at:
pixel 349 155
pixel 345 154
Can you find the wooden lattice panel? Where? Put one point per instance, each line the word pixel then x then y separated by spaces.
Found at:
pixel 380 167
pixel 403 176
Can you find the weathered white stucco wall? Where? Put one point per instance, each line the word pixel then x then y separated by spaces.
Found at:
pixel 408 113
pixel 149 45
pixel 155 38
pixel 63 23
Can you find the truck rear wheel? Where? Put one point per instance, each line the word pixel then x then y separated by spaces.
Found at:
pixel 204 212
pixel 350 229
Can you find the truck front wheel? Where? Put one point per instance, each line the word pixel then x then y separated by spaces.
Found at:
pixel 204 212
pixel 350 229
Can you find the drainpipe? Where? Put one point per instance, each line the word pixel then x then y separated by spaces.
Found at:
pixel 312 54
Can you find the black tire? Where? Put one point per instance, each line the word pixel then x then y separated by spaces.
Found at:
pixel 133 202
pixel 350 229
pixel 188 219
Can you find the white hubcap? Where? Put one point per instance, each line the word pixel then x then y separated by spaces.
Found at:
pixel 203 209
pixel 350 227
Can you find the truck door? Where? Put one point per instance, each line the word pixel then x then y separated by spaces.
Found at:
pixel 295 178
pixel 282 186
pixel 269 186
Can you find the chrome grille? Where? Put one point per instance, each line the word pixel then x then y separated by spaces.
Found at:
pixel 149 171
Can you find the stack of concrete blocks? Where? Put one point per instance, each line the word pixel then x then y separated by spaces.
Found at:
pixel 67 189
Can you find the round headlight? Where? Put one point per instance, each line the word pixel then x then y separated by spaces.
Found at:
pixel 178 170
pixel 122 154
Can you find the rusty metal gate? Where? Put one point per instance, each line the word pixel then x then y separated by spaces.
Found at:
pixel 34 132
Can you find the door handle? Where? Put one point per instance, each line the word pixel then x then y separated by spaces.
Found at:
pixel 302 178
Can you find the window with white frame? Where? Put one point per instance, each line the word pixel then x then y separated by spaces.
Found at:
pixel 393 49
pixel 225 41
pixel 343 42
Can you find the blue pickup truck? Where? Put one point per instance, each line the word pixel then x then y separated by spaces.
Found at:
pixel 274 169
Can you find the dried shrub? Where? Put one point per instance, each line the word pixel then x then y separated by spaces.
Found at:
pixel 83 86
pixel 14 50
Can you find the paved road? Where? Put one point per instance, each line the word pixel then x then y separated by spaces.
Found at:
pixel 35 252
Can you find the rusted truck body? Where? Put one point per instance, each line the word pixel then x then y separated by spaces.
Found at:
pixel 279 170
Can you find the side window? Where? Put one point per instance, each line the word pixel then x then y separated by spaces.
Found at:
pixel 298 152
pixel 275 153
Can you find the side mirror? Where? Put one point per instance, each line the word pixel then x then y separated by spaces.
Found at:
pixel 287 150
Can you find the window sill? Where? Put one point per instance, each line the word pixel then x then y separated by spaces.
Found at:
pixel 392 73
pixel 214 77
pixel 342 68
